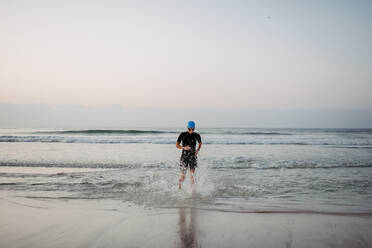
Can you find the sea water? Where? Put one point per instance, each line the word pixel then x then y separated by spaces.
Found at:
pixel 239 169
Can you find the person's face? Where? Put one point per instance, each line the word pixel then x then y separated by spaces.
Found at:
pixel 190 130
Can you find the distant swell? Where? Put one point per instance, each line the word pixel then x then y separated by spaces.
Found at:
pixel 103 131
pixel 135 131
pixel 94 139
pixel 256 133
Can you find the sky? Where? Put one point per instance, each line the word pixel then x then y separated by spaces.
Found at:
pixel 195 55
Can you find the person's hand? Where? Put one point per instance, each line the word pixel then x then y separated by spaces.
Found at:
pixel 187 148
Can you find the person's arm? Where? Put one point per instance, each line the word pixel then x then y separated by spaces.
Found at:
pixel 199 144
pixel 182 147
pixel 179 141
pixel 178 145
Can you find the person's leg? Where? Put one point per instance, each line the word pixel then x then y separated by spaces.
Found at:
pixel 193 165
pixel 182 177
pixel 192 177
pixel 183 168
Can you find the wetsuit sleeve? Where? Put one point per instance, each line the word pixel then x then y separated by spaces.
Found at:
pixel 179 138
pixel 199 138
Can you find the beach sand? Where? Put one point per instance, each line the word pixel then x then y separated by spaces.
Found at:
pixel 46 222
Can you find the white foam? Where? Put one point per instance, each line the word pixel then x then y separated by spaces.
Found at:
pixel 45 170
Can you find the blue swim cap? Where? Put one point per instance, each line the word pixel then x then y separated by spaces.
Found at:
pixel 191 124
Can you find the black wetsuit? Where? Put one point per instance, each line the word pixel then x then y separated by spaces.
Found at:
pixel 188 158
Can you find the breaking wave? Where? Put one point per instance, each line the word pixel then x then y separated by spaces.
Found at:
pixel 239 140
pixel 136 131
pixel 104 131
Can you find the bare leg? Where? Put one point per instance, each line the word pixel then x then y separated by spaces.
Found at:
pixel 181 178
pixel 192 177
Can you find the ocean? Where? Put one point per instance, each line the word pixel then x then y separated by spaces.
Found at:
pixel 239 169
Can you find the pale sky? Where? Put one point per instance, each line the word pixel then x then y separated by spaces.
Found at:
pixel 210 54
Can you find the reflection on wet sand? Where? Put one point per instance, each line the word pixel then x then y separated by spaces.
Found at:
pixel 187 227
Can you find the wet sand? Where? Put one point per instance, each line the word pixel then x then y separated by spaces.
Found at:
pixel 46 222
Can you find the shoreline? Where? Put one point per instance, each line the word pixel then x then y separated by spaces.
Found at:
pixel 26 222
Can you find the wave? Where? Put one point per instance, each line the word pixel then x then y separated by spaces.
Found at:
pixel 104 131
pixel 347 130
pixel 345 143
pixel 7 184
pixel 273 211
pixel 254 133
pixel 292 166
pixel 242 163
pixel 217 190
pixel 221 164
pixel 136 131
pixel 145 191
pixel 48 164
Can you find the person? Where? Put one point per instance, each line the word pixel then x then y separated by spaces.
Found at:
pixel 187 142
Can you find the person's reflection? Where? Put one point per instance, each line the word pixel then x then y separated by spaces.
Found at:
pixel 187 230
